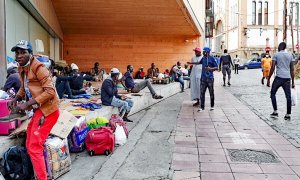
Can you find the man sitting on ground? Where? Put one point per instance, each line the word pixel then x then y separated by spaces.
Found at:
pixel 110 97
pixel 152 72
pixel 128 83
pixel 97 73
pixel 13 82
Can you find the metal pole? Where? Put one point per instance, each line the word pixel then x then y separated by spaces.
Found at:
pixel 297 6
pixel 284 21
pixel 291 23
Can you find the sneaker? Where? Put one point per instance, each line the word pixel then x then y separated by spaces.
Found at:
pixel 274 115
pixel 212 108
pixel 228 83
pixel 287 117
pixel 224 84
pixel 126 119
pixel 157 96
pixel 200 110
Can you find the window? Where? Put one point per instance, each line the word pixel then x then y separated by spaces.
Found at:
pixel 291 14
pixel 253 12
pixel 259 13
pixel 297 12
pixel 266 13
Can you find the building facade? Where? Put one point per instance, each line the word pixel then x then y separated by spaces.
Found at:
pixel 250 27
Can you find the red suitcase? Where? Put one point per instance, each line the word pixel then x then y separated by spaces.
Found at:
pixel 100 141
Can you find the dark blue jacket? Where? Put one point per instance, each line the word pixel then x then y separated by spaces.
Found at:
pixel 108 91
pixel 13 80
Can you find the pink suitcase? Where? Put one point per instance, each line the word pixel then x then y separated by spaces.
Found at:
pixel 9 123
pixel 4 108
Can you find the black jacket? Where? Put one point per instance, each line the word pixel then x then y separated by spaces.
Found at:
pixel 108 91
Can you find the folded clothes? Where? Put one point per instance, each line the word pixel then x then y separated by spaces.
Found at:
pixel 86 96
pixel 91 106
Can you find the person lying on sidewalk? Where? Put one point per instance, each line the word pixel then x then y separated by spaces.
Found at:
pixel 110 96
pixel 128 82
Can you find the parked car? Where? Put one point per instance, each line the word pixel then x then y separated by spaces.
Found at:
pixel 254 63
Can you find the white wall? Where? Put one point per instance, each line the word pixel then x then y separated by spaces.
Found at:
pixel 233 40
pixel 259 41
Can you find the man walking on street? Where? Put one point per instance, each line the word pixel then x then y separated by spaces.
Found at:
pixel 236 62
pixel 266 64
pixel 283 61
pixel 209 65
pixel 225 62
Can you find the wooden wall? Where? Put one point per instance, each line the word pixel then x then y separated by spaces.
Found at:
pixel 46 10
pixel 121 50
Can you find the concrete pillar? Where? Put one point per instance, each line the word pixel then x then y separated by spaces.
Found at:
pixel 2 44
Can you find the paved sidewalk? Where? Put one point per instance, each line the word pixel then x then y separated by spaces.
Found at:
pixel 203 141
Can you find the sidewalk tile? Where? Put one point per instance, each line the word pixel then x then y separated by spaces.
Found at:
pixel 213 158
pixel 295 161
pixel 216 176
pixel 185 138
pixel 210 151
pixel 206 134
pixel 185 150
pixel 245 168
pixel 285 147
pixel 185 165
pixel 208 139
pixel 210 145
pixel 276 169
pixel 181 175
pixel 215 167
pixel 240 176
pixel 185 157
pixel 190 144
pixel 288 154
pixel 296 169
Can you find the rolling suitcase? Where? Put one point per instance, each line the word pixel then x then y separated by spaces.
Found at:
pixel 100 141
pixel 4 108
pixel 11 122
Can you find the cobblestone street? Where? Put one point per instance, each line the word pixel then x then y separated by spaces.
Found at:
pixel 247 87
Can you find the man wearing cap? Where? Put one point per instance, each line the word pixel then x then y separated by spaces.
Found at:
pixel 196 76
pixel 13 83
pixel 209 65
pixel 110 96
pixel 40 95
pixel 128 83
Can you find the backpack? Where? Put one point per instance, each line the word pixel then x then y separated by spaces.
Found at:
pixel 17 164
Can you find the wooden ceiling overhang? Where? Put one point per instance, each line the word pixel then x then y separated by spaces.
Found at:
pixel 125 17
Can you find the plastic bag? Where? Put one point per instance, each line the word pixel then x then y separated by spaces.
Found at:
pixel 120 135
pixel 294 96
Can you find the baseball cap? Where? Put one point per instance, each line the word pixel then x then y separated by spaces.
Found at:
pixel 197 49
pixel 206 49
pixel 74 66
pixel 114 71
pixel 22 44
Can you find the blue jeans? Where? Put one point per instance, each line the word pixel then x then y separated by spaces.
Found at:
pixel 285 83
pixel 123 105
pixel 181 81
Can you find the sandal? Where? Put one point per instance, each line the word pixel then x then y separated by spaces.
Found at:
pixel 157 96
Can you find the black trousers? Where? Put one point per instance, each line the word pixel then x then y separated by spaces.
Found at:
pixel 207 83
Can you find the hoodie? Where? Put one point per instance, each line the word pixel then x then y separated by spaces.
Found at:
pixel 108 91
